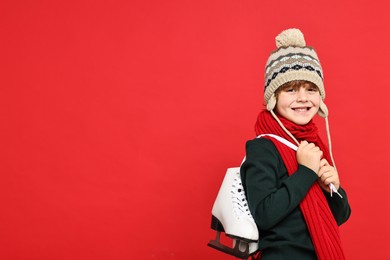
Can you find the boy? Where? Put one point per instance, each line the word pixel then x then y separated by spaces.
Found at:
pixel 289 192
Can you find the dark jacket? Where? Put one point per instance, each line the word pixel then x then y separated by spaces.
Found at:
pixel 274 197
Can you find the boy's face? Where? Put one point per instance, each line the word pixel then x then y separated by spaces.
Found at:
pixel 299 104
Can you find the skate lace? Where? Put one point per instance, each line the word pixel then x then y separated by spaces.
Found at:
pixel 240 204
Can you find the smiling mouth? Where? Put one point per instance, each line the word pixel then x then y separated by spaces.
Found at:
pixel 301 109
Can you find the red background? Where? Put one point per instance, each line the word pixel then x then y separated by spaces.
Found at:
pixel 119 119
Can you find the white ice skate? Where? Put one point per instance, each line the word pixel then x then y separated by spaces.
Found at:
pixel 230 214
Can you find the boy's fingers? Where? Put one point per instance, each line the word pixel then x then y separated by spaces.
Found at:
pixel 323 162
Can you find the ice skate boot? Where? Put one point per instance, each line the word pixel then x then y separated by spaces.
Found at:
pixel 231 215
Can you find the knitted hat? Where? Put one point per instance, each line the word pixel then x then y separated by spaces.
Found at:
pixel 293 60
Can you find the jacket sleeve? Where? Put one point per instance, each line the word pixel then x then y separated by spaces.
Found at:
pixel 339 206
pixel 271 193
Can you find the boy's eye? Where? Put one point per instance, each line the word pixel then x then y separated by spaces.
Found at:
pixel 289 89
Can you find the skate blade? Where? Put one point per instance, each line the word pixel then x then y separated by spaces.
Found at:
pixel 231 251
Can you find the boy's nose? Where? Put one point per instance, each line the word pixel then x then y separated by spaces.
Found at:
pixel 301 95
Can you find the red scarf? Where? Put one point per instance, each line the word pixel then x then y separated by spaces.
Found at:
pixel 322 226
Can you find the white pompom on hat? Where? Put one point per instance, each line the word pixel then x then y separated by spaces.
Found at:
pixel 290 37
pixel 293 60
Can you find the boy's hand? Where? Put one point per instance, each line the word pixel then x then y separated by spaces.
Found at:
pixel 309 155
pixel 327 175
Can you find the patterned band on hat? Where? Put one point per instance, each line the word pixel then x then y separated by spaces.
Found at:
pixel 292 63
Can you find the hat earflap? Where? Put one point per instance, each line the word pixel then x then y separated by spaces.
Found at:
pixel 271 102
pixel 323 110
